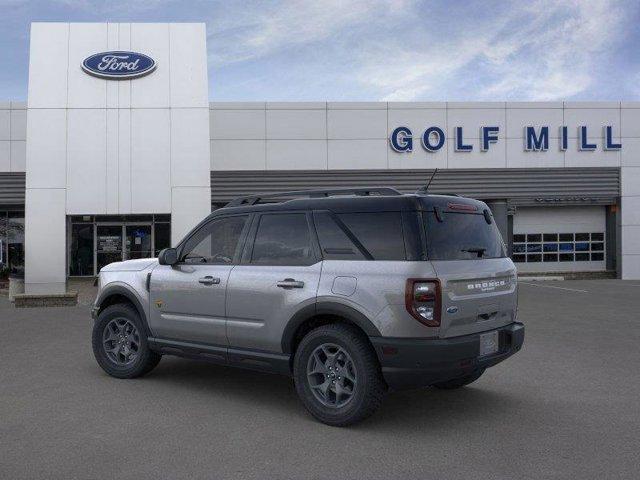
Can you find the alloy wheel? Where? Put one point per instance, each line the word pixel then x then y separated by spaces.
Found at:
pixel 121 341
pixel 331 375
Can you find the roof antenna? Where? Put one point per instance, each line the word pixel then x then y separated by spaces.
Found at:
pixel 425 188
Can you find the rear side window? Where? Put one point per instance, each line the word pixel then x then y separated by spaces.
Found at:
pixel 462 236
pixel 283 239
pixel 334 242
pixel 380 233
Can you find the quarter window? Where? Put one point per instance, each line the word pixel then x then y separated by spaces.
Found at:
pixel 283 239
pixel 334 242
pixel 380 233
pixel 217 242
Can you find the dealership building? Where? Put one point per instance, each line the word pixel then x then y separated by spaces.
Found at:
pixel 118 152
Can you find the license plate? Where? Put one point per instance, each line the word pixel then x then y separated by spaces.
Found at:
pixel 489 343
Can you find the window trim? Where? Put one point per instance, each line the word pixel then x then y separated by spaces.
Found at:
pixel 247 251
pixel 241 241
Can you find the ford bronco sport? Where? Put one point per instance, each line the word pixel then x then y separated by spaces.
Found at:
pixel 351 292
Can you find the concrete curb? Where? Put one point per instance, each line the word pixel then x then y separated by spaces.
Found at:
pixel 23 300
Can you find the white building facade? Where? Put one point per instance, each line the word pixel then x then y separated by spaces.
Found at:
pixel 119 168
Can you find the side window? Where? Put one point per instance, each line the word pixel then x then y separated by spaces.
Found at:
pixel 283 239
pixel 380 233
pixel 216 242
pixel 335 244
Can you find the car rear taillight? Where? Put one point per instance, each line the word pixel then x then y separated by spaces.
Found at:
pixel 422 299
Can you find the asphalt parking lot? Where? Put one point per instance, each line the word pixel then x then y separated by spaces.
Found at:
pixel 567 406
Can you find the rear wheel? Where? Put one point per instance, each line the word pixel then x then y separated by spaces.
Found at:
pixel 120 344
pixel 460 381
pixel 337 375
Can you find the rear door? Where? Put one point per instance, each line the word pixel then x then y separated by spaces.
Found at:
pixel 188 299
pixel 478 280
pixel 278 275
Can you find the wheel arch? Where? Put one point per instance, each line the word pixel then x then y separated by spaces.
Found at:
pixel 322 313
pixel 118 294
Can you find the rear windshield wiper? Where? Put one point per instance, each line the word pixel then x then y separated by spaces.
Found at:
pixel 478 250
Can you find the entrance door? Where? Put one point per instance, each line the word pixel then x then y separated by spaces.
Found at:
pixel 108 245
pixel 137 242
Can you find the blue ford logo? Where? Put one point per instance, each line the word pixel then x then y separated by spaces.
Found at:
pixel 118 65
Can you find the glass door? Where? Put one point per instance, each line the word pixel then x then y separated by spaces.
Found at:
pixel 137 241
pixel 81 251
pixel 108 245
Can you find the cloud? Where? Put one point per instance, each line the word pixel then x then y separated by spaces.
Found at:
pixel 264 28
pixel 544 51
pixel 408 50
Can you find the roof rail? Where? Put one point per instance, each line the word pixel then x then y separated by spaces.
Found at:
pixel 253 199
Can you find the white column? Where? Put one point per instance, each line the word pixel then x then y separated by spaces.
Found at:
pixel 45 241
pixel 630 191
pixel 46 167
pixel 190 157
pixel 630 221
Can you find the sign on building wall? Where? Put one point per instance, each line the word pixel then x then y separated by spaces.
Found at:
pixel 535 139
pixel 118 65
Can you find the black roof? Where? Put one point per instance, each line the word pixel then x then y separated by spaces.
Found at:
pixel 352 203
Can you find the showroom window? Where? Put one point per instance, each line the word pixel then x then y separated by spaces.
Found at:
pixel 558 247
pixel 11 243
pixel 97 240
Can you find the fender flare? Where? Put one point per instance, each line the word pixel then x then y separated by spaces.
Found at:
pixel 112 290
pixel 326 308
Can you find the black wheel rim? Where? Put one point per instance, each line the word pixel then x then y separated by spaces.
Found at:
pixel 121 341
pixel 331 375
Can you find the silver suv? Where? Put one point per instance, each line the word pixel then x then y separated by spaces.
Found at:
pixel 351 292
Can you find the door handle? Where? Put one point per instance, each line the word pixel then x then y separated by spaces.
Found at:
pixel 209 280
pixel 290 283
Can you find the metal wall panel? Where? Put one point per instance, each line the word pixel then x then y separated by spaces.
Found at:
pixel 561 186
pixel 522 186
pixel 12 188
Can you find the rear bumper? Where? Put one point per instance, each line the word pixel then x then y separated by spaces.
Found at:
pixel 413 362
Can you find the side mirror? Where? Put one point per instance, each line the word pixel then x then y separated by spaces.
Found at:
pixel 168 256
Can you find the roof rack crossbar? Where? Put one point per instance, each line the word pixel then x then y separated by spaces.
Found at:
pixel 253 199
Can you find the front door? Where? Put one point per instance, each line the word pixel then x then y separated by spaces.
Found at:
pixel 187 300
pixel 278 276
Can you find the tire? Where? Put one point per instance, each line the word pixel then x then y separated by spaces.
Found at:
pixel 133 358
pixel 354 367
pixel 459 382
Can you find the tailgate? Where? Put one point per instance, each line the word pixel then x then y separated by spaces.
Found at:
pixel 477 295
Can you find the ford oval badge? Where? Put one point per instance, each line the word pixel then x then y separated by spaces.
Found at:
pixel 452 309
pixel 118 65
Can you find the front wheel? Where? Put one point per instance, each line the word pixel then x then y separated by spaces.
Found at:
pixel 337 375
pixel 120 344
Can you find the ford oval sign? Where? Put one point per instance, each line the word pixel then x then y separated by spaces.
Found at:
pixel 118 65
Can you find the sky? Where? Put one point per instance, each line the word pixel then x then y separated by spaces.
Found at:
pixel 377 50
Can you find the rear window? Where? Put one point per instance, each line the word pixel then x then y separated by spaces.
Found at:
pixel 462 236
